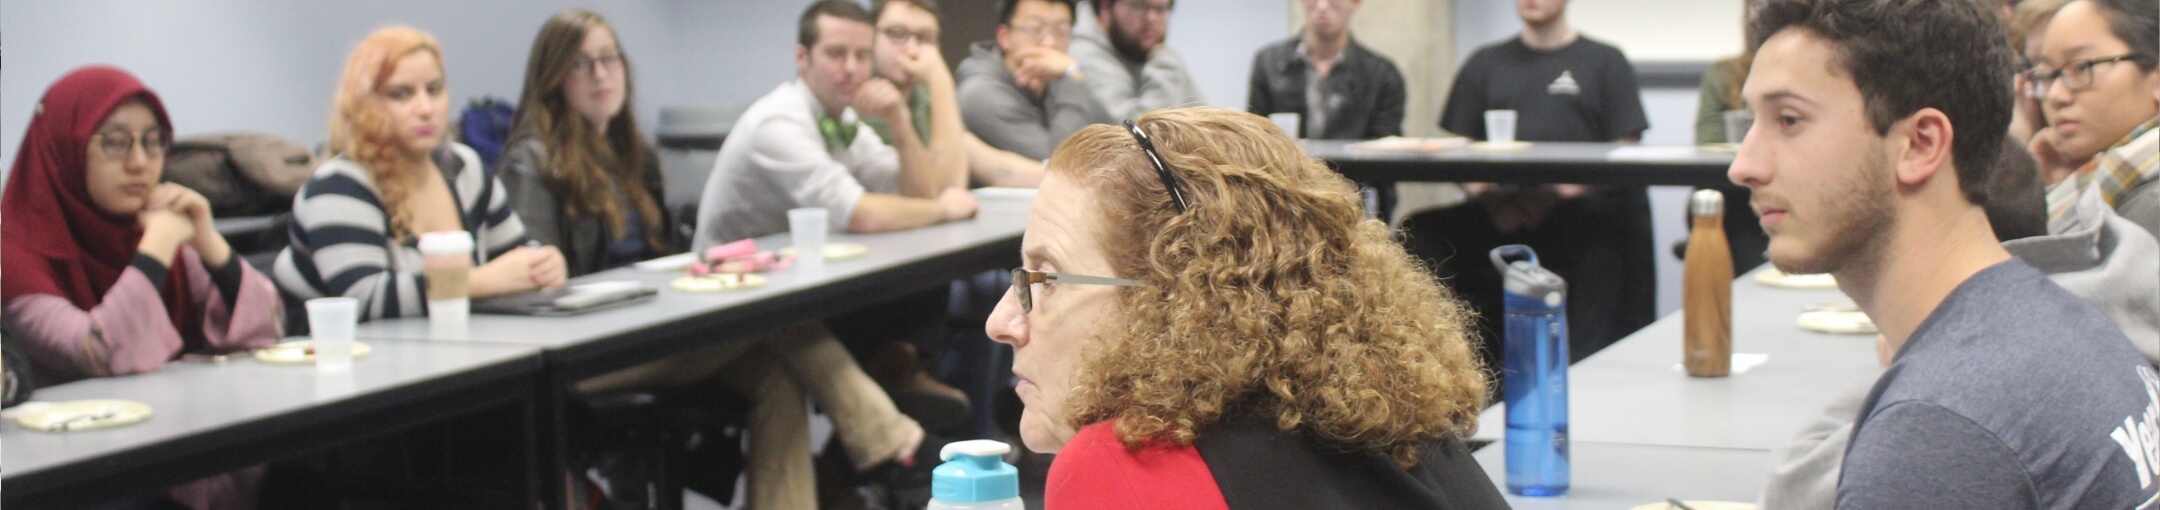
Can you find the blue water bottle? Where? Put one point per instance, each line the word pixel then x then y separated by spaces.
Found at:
pixel 1534 378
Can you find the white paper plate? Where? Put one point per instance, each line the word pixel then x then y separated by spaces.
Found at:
pixel 83 415
pixel 834 251
pixel 722 282
pixel 302 352
pixel 676 262
pixel 1402 144
pixel 1698 505
pixel 1003 192
pixel 1514 146
pixel 1775 278
pixel 1839 322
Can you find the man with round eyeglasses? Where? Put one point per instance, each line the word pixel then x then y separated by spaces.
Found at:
pixel 908 56
pixel 1023 92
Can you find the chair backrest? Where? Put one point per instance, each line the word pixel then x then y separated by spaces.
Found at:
pixel 485 125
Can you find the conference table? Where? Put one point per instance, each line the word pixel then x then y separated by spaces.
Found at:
pixel 1641 429
pixel 1539 163
pixel 212 418
pixel 216 417
pixel 575 348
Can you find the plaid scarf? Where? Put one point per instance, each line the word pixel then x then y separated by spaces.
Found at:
pixel 2064 195
pixel 2131 162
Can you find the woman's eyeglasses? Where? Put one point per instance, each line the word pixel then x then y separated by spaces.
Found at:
pixel 1023 281
pixel 583 65
pixel 117 143
pixel 1169 181
pixel 2077 75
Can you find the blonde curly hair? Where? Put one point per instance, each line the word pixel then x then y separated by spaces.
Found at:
pixel 361 128
pixel 1273 295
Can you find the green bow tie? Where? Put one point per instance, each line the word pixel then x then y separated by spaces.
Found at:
pixel 838 135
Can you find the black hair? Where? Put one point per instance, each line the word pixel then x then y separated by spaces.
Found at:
pixel 806 34
pixel 1905 55
pixel 1006 8
pixel 2137 24
pixel 877 7
pixel 2017 199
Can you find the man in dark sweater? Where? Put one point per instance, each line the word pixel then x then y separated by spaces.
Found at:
pixel 1873 146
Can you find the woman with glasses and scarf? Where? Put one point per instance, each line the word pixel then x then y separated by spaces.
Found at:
pixel 110 272
pixel 1205 318
pixel 2098 81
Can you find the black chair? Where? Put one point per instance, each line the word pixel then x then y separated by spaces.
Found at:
pixel 652 445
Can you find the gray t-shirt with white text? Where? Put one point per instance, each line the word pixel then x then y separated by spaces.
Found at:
pixel 2013 394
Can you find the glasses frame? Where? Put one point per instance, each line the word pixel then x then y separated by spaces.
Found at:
pixel 2042 80
pixel 583 65
pixel 898 34
pixel 1169 180
pixel 1023 282
pixel 1047 33
pixel 153 150
pixel 1146 9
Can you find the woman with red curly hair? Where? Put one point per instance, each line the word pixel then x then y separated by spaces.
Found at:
pixel 392 176
pixel 1205 318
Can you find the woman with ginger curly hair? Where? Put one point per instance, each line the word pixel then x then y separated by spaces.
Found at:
pixel 394 176
pixel 1206 319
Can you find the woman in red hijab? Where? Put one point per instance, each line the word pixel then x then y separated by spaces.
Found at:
pixel 106 271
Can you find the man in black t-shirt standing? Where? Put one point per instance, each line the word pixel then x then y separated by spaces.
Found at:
pixel 1564 87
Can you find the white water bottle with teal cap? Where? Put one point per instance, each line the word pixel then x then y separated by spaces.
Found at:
pixel 975 477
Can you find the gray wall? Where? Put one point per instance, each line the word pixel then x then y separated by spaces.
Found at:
pixel 271 65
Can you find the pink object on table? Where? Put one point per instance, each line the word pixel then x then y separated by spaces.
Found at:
pixel 738 257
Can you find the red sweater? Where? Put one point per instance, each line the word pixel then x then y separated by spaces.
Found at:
pixel 1095 470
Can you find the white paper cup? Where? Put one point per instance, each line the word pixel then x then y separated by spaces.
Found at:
pixel 807 226
pixel 331 321
pixel 1737 123
pixel 1500 126
pixel 1288 121
pixel 448 266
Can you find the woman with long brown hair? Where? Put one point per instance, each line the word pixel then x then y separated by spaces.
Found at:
pixel 1204 316
pixel 393 176
pixel 579 173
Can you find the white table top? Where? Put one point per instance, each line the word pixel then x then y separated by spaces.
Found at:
pixel 1630 392
pixel 189 400
pixel 1618 476
pixel 1001 219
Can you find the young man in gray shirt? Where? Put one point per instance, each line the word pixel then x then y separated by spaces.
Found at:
pixel 1129 68
pixel 1869 161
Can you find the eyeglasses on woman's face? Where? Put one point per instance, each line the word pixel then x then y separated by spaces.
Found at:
pixel 583 65
pixel 117 143
pixel 2076 75
pixel 1023 283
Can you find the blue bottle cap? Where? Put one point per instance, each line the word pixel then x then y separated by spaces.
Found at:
pixel 974 472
